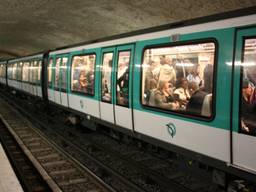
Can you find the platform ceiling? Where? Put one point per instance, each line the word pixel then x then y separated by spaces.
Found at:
pixel 31 26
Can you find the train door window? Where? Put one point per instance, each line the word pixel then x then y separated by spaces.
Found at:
pixel 106 77
pixel 57 74
pixel 122 83
pixel 179 78
pixel 49 70
pixel 25 72
pixel 248 90
pixel 63 73
pixel 82 79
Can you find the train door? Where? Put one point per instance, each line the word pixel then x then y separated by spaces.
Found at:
pixel 123 86
pixel 50 78
pixel 63 80
pixel 244 100
pixel 56 83
pixel 106 90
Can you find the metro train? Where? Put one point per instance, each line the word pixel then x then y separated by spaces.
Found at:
pixel 187 87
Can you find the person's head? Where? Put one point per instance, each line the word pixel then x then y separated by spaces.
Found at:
pixel 192 87
pixel 247 90
pixel 162 59
pixel 152 84
pixel 163 85
pixel 82 79
pixel 182 82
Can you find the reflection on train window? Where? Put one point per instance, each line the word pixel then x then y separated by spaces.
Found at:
pixel 122 83
pixel 248 90
pixel 49 68
pixel 106 77
pixel 25 72
pixel 179 78
pixel 63 73
pixel 57 73
pixel 82 79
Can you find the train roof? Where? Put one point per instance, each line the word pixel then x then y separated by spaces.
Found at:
pixel 237 18
pixel 35 56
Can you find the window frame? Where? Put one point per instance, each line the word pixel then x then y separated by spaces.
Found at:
pixel 241 84
pixel 71 77
pixel 214 80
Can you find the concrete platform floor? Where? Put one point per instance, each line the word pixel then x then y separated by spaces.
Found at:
pixel 8 179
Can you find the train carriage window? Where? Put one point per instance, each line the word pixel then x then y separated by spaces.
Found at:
pixel 49 70
pixel 57 73
pixel 179 78
pixel 122 84
pixel 35 74
pixel 1 70
pixel 106 77
pixel 25 72
pixel 63 73
pixel 30 72
pixel 248 90
pixel 14 71
pixel 19 70
pixel 39 70
pixel 82 79
pixel 9 71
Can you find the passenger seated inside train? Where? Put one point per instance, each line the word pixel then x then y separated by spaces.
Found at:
pixel 164 98
pixel 248 108
pixel 182 92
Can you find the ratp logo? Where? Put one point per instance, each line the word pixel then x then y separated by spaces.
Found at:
pixel 171 129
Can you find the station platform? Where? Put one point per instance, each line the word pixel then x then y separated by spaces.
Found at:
pixel 8 179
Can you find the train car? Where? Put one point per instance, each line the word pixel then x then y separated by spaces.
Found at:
pixel 187 87
pixel 3 72
pixel 24 74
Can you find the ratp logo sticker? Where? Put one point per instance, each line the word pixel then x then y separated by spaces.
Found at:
pixel 171 129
